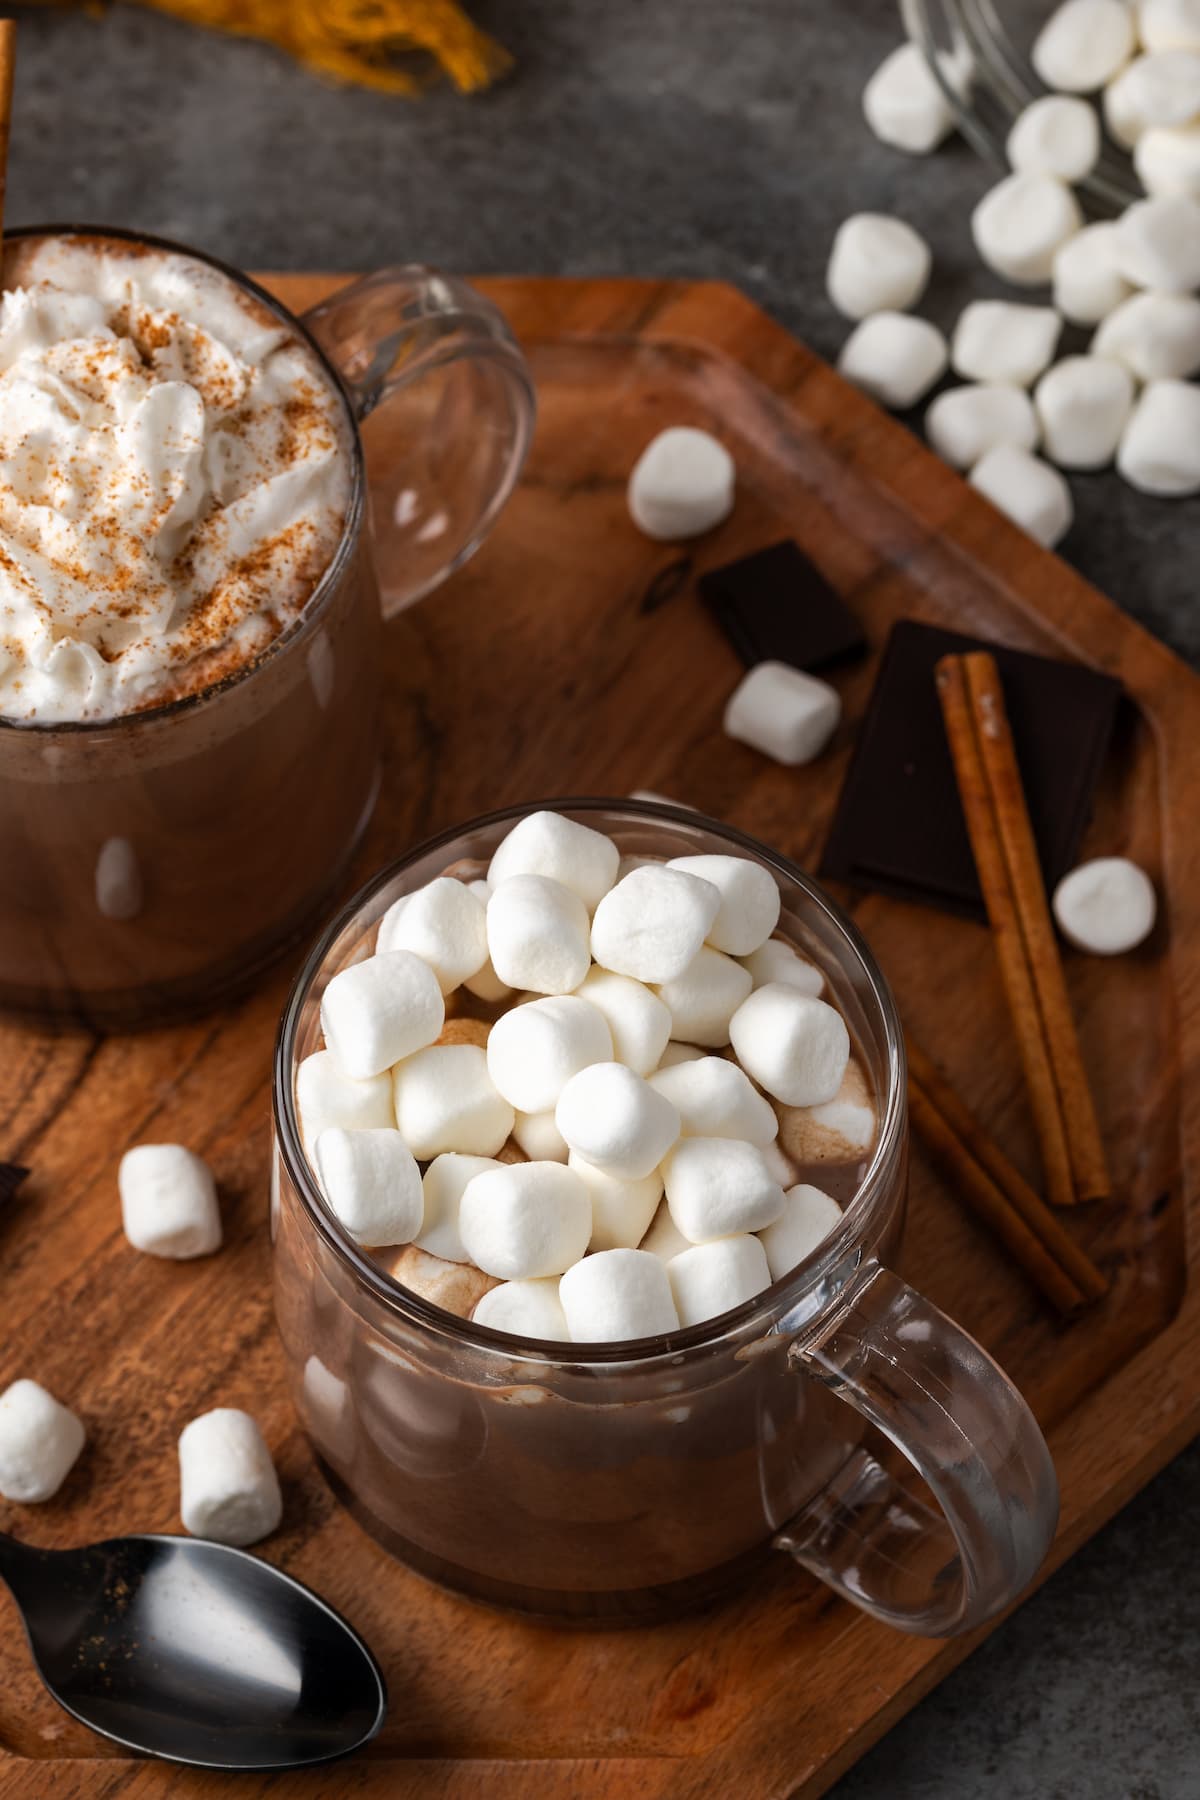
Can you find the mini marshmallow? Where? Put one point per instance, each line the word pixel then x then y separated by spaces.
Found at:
pixel 1056 135
pixel 782 712
pixel 526 1220
pixel 444 924
pixel 549 844
pixel 777 961
pixel 679 1053
pixel 894 358
pixel 485 984
pixel 1083 404
pixel 705 997
pixel 40 1440
pixel 616 1295
pixel 1106 906
pixel 229 1490
pixel 1160 450
pixel 652 924
pixel 1020 224
pixel 1031 493
pixel 1003 340
pixel 534 1050
pixel 664 1238
pixel 442 1189
pixel 794 1046
pixel 808 1218
pixel 538 934
pixel 1169 24
pixel 781 1167
pixel 1156 336
pixel 1083 44
pixel 638 1020
pixel 749 909
pixel 681 485
pixel 710 1279
pixel 1087 282
pixel 539 1136
pixel 904 105
pixel 457 1287
pixel 378 1011
pixel 326 1097
pixel 446 1100
pixel 964 423
pixel 529 1309
pixel 168 1202
pixel 372 1184
pixel 621 1209
pixel 877 264
pixel 715 1098
pixel 1157 243
pixel 1167 160
pixel 614 1119
pixel 717 1187
pixel 1162 88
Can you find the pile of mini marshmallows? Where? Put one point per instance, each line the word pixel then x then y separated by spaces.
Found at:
pixel 622 979
pixel 1133 279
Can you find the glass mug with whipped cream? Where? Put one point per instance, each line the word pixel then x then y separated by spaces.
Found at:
pixel 628 1479
pixel 190 620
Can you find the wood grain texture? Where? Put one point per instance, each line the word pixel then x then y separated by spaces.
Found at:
pixel 537 671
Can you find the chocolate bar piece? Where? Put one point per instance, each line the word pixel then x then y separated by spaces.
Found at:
pixel 899 826
pixel 776 606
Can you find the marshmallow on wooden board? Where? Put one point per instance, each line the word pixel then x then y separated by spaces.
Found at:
pixel 653 922
pixel 1031 493
pixel 1004 340
pixel 1156 336
pixel 1055 135
pixel 664 1238
pixel 807 1219
pixel 1083 44
pixel 372 1183
pixel 964 423
pixel 229 1490
pixel 894 358
pixel 616 1295
pixel 537 933
pixel 749 910
pixel 794 1046
pixel 877 264
pixel 528 1309
pixel 485 984
pixel 526 1220
pixel 904 105
pixel 1159 452
pixel 1169 24
pixel 1106 906
pixel 1021 223
pixel 538 1136
pixel 457 1287
pixel 679 1053
pixel 1088 285
pixel 840 1130
pixel 378 1011
pixel 621 1208
pixel 40 1439
pixel 638 1020
pixel 550 844
pixel 705 997
pixel 1156 243
pixel 782 712
pixel 682 484
pixel 718 1186
pixel 614 1119
pixel 446 1100
pixel 1167 160
pixel 443 1186
pixel 534 1050
pixel 443 923
pixel 1161 88
pixel 716 1098
pixel 710 1279
pixel 168 1202
pixel 777 961
pixel 1083 404
pixel 326 1096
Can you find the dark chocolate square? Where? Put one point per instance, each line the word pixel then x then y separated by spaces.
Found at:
pixel 776 606
pixel 899 826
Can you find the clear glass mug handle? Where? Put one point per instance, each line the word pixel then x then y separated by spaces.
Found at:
pixel 453 406
pixel 929 1387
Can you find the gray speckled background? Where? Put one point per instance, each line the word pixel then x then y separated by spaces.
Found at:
pixel 691 138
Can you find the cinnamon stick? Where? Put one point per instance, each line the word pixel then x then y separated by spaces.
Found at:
pixel 8 58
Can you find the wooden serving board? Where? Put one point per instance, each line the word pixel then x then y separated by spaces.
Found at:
pixel 539 671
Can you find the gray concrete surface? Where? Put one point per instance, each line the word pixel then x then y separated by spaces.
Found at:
pixel 680 137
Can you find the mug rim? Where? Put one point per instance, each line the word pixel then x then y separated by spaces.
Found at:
pixel 780 1296
pixel 314 607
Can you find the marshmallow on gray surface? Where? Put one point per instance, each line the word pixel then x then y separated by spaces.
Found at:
pixel 378 1011
pixel 653 922
pixel 716 1098
pixel 966 422
pixel 877 264
pixel 894 358
pixel 1083 44
pixel 548 843
pixel 39 1442
pixel 539 1136
pixel 1156 243
pixel 530 1309
pixel 1106 906
pixel 705 997
pixel 749 910
pixel 444 924
pixel 525 1220
pixel 710 1279
pixel 1159 452
pixel 621 1209
pixel 1056 135
pixel 615 1295
pixel 794 1046
pixel 446 1100
pixel 168 1202
pixel 325 1096
pixel 786 714
pixel 904 105
pixel 1160 88
pixel 777 961
pixel 1167 160
pixel 372 1183
pixel 1088 285
pixel 1083 403
pixel 534 1050
pixel 1004 340
pixel 1020 224
pixel 664 1238
pixel 681 485
pixel 807 1219
pixel 614 1119
pixel 229 1490
pixel 1156 336
pixel 537 933
pixel 1169 24
pixel 1031 493
pixel 638 1020
pixel 717 1187
pixel 442 1189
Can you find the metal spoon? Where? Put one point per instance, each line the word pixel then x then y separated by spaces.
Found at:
pixel 195 1652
